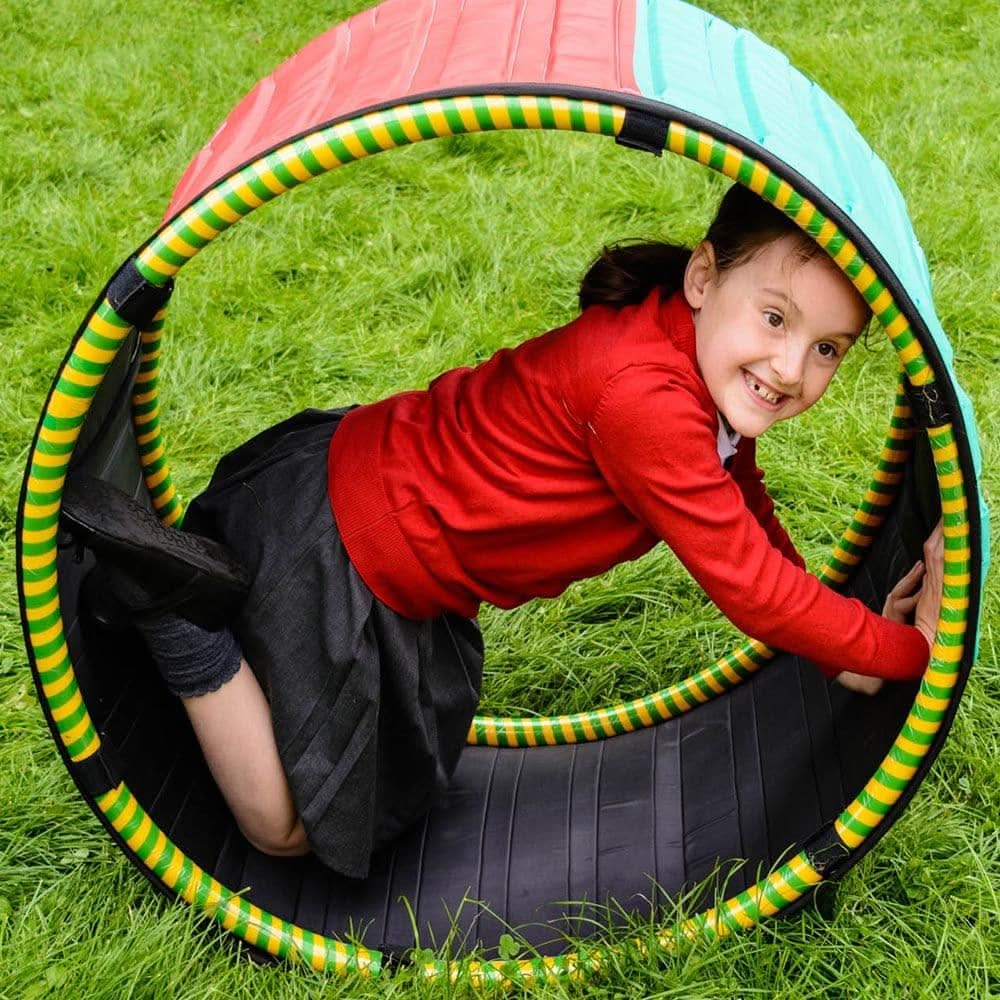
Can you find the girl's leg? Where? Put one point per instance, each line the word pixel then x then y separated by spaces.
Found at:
pixel 232 721
pixel 233 726
pixel 146 563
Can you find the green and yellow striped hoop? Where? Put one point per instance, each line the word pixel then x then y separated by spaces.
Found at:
pixel 290 165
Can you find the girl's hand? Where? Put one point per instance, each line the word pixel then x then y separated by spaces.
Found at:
pixel 919 593
pixel 924 601
pixel 903 598
pixel 928 605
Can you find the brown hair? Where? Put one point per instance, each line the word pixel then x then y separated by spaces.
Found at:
pixel 625 273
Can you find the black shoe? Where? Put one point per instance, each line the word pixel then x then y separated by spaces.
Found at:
pixel 152 569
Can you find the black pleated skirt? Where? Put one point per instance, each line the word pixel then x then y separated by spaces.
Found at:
pixel 370 709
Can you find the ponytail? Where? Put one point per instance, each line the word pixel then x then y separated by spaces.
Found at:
pixel 625 273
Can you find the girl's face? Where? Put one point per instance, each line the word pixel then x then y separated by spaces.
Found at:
pixel 771 331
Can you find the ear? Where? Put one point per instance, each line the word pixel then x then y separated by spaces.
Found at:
pixel 699 272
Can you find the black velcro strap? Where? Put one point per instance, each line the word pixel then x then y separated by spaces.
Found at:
pixel 643 131
pixel 827 853
pixel 98 773
pixel 928 406
pixel 134 298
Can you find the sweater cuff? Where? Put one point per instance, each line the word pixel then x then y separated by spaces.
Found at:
pixel 902 654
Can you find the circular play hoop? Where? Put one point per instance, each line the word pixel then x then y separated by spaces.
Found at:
pixel 288 165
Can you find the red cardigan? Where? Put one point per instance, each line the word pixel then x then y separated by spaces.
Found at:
pixel 575 451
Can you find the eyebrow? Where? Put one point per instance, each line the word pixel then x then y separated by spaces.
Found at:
pixel 793 305
pixel 779 293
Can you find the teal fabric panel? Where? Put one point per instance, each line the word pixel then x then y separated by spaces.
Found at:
pixel 687 58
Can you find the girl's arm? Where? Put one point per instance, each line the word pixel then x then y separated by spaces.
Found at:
pixel 653 436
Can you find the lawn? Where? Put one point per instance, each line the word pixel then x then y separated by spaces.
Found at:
pixel 377 278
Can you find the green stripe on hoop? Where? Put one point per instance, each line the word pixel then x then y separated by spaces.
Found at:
pixel 815 223
pixel 480 108
pixel 46 621
pixel 891 781
pixel 906 758
pixel 607 120
pixel 171 256
pixel 50 648
pixel 257 185
pixel 54 450
pixel 545 113
pixel 395 130
pixel 149 842
pixel 368 141
pixel 76 749
pixel 232 199
pixel 64 697
pixel 453 118
pixel 53 423
pixel 835 245
pixel 114 807
pixel 165 860
pixel 189 236
pixel 578 120
pixel 516 112
pixel 86 367
pixel 281 172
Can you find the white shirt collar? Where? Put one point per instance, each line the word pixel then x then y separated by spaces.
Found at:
pixel 726 441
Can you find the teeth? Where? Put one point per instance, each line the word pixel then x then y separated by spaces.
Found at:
pixel 771 397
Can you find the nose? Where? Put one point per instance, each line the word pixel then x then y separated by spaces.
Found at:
pixel 788 362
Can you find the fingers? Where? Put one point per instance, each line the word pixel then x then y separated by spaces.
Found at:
pixel 928 606
pixel 904 605
pixel 902 599
pixel 922 599
pixel 908 582
pixel 934 556
pixel 934 546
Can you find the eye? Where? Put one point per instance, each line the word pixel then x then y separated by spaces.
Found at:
pixel 828 350
pixel 773 319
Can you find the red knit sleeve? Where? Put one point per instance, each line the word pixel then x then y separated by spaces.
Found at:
pixel 655 442
pixel 749 477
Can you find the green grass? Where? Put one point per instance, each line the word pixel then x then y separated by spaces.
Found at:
pixel 379 277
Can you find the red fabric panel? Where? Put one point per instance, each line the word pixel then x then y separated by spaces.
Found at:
pixel 406 47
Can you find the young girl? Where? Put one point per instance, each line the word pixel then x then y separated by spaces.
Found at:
pixel 334 708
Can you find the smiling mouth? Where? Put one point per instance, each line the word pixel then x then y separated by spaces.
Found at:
pixel 762 391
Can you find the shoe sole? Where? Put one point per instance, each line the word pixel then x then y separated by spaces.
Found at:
pixel 208 578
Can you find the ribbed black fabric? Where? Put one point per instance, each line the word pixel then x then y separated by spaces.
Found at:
pixel 192 660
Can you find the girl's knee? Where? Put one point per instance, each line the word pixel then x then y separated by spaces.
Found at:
pixel 276 839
